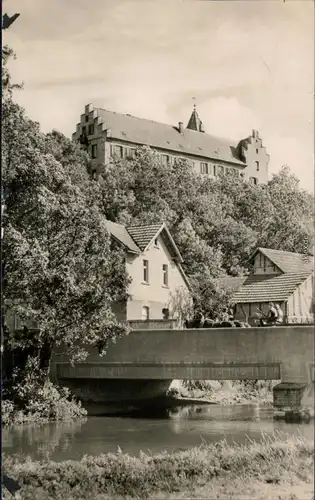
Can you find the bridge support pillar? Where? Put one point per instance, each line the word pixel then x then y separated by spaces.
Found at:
pixel 294 401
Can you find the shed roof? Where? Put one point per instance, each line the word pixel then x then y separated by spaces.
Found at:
pixel 287 262
pixel 265 288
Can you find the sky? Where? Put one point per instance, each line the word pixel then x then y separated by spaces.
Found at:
pixel 248 64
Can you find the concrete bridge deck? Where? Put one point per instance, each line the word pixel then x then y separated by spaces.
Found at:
pixel 149 360
pixel 285 353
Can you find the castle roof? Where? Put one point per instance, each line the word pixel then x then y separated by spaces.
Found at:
pixel 194 122
pixel 140 131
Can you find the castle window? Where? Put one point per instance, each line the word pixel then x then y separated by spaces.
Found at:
pixel 91 129
pixel 165 160
pixel 118 151
pixel 204 168
pixel 257 165
pixel 94 150
pixel 220 170
pixel 130 152
pixel 257 151
pixel 83 130
pixel 86 118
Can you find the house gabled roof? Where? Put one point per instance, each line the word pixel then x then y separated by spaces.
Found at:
pixel 144 236
pixel 266 288
pixel 287 262
pixel 231 283
pixel 139 131
pixel 137 239
pixel 120 234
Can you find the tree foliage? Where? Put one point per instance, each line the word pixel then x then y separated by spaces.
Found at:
pixel 216 223
pixel 61 270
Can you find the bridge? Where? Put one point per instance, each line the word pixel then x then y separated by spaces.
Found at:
pixel 143 364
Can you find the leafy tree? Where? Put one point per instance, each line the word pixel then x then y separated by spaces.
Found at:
pixel 181 305
pixel 61 270
pixel 216 223
pixel 291 227
pixel 209 298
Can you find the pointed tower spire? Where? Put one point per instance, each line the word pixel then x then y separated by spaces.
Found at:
pixel 194 121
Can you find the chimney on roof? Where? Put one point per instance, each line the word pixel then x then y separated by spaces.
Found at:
pixel 255 134
pixel 180 127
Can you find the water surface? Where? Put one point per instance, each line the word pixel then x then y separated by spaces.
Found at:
pixel 176 429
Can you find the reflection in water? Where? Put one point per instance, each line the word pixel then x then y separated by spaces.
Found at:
pixel 44 439
pixel 175 429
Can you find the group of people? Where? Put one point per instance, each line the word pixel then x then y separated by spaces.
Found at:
pixel 226 318
pixel 273 317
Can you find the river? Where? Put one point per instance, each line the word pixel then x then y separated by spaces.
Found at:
pixel 176 429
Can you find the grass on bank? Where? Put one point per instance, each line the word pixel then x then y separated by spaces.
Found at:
pixel 273 460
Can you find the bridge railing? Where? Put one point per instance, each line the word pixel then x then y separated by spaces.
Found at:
pixel 154 324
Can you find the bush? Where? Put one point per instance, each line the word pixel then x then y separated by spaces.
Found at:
pixel 33 397
pixel 48 403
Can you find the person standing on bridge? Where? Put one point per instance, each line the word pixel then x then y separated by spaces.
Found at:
pixel 279 319
pixel 271 316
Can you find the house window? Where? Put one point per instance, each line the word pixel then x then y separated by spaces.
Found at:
pixel 165 313
pixel 94 150
pixel 145 313
pixel 146 271
pixel 249 309
pixel 253 181
pixel 214 170
pixel 91 129
pixel 165 274
pixel 257 165
pixel 257 151
pixel 204 168
pixel 156 243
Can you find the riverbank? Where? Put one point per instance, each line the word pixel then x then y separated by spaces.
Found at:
pixel 227 392
pixel 273 468
pixel 57 404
